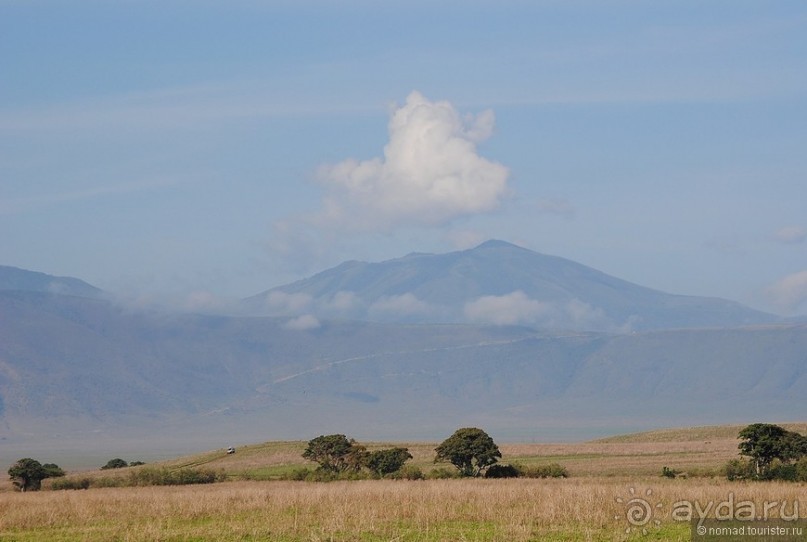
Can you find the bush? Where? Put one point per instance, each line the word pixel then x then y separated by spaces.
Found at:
pixel 739 469
pixel 323 475
pixel 116 463
pixel 408 472
pixel 443 473
pixel 384 462
pixel 502 471
pixel 801 469
pixel 780 471
pixel 168 477
pixel 552 470
pixel 297 475
pixel 71 483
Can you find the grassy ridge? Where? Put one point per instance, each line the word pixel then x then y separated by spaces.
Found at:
pixel 589 506
pixel 688 434
pixel 697 451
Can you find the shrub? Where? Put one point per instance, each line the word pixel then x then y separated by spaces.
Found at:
pixel 408 472
pixel 739 469
pixel 801 469
pixel 323 475
pixel 384 462
pixel 551 470
pixel 502 471
pixel 168 477
pixel 116 463
pixel 443 473
pixel 780 471
pixel 297 475
pixel 71 483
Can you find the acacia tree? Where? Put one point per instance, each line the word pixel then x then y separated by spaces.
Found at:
pixel 469 449
pixel 764 442
pixel 335 453
pixel 116 463
pixel 383 462
pixel 27 474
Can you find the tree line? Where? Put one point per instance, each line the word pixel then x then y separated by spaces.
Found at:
pixel 470 450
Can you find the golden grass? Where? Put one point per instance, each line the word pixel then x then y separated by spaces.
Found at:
pixel 581 508
pixel 435 510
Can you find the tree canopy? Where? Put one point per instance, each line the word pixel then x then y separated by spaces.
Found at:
pixel 336 453
pixel 765 442
pixel 383 462
pixel 469 449
pixel 116 463
pixel 27 474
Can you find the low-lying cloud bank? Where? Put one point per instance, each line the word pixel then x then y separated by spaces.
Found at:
pixel 515 308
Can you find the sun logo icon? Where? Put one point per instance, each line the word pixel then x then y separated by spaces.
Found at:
pixel 639 511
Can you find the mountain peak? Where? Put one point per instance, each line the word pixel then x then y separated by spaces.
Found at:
pixel 496 243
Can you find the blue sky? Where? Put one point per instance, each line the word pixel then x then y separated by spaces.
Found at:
pixel 199 149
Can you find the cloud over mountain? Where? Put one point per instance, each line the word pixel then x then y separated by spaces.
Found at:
pixel 430 172
pixel 790 292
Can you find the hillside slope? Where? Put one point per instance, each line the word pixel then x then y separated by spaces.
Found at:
pixel 85 370
pixel 13 278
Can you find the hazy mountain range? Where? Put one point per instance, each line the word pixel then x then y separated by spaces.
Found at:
pixel 591 355
pixel 496 283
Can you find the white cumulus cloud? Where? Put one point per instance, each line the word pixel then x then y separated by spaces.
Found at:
pixel 302 323
pixel 401 305
pixel 517 308
pixel 430 172
pixel 510 309
pixel 790 292
pixel 791 235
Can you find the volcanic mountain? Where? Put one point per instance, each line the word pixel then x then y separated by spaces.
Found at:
pixel 496 283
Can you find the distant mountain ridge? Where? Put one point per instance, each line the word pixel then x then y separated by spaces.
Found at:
pixel 14 278
pixel 79 372
pixel 496 283
pixel 84 372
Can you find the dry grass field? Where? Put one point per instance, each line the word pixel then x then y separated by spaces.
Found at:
pixel 592 504
pixel 373 510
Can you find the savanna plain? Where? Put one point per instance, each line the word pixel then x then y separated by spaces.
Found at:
pixel 614 491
